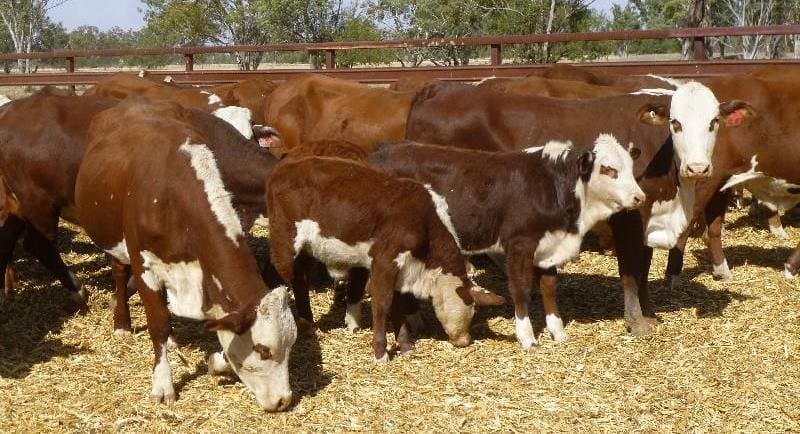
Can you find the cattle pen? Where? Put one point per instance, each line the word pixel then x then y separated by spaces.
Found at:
pixel 725 356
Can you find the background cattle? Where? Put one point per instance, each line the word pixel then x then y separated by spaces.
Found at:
pixel 150 193
pixel 347 215
pixel 251 93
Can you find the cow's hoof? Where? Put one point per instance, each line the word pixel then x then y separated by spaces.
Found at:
pixel 217 364
pixel 559 335
pixel 722 271
pixel 642 327
pixel 166 398
pixel 80 297
pixel 122 332
pixel 673 281
pixel 787 272
pixel 779 232
pixel 383 359
pixel 555 325
pixel 352 315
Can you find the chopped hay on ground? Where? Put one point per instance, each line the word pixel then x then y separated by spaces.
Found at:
pixel 724 358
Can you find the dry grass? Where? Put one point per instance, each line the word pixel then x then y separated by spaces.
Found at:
pixel 725 358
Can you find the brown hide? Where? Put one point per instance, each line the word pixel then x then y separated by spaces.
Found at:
pixel 122 85
pixel 550 87
pixel 315 107
pixel 328 148
pixel 627 83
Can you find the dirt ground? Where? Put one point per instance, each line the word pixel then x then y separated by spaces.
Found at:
pixel 724 358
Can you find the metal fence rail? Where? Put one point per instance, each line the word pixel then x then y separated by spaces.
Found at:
pixel 699 66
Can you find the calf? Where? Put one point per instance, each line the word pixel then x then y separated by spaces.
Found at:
pixel 566 191
pixel 150 192
pixel 348 215
pixel 675 130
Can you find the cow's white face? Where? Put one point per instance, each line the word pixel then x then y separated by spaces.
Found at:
pixel 260 356
pixel 693 123
pixel 612 185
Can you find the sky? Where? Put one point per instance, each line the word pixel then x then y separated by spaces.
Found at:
pixel 106 14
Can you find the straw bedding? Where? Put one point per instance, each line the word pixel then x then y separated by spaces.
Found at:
pixel 724 358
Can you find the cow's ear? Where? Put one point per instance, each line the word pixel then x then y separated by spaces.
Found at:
pixel 654 114
pixel 483 297
pixel 235 322
pixel 586 163
pixel 733 113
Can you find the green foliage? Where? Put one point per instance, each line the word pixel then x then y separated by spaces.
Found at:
pixel 360 29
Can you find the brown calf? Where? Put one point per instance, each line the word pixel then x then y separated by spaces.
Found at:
pixel 347 215
pixel 150 192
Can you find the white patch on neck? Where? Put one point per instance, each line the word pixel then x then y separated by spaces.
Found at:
pixel 4 100
pixel 239 117
pixel 212 97
pixel 555 149
pixel 668 219
pixel 672 81
pixel 533 149
pixel 182 280
pixel 120 252
pixel 773 192
pixel 443 211
pixel 338 256
pixel 205 167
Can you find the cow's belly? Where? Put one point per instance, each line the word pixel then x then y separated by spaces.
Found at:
pixel 776 194
pixel 668 219
pixel 183 282
pixel 338 256
pixel 556 248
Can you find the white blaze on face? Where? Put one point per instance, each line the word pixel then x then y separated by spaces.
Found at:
pixel 207 172
pixel 611 187
pixel 260 356
pixel 693 123
pixel 239 117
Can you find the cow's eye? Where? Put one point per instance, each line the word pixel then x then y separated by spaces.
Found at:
pixel 263 351
pixel 676 125
pixel 609 171
pixel 714 124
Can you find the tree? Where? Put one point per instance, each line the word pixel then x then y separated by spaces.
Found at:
pixel 750 13
pixel 24 21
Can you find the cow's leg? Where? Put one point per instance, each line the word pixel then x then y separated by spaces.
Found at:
pixel 776 226
pixel 548 280
pixel 413 316
pixel 158 325
pixel 715 213
pixel 381 284
pixel 629 237
pixel 675 260
pixel 519 254
pixel 792 264
pixel 644 292
pixel 122 314
pixel 10 231
pixel 44 250
pixel 299 281
pixel 356 282
pixel 402 332
pixel 10 276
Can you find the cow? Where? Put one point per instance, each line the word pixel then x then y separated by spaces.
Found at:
pixel 328 148
pixel 566 189
pixel 243 168
pixel 412 84
pixel 251 93
pixel 315 107
pixel 675 131
pixel 761 157
pixel 122 85
pixel 42 142
pixel 555 88
pixel 150 191
pixel 629 83
pixel 348 215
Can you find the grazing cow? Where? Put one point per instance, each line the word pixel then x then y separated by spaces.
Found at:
pixel 348 215
pixel 762 157
pixel 675 134
pixel 243 168
pixel 151 193
pixel 42 141
pixel 251 93
pixel 551 87
pixel 315 107
pixel 567 190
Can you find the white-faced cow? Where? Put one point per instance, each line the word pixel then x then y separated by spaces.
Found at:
pixel 151 193
pixel 348 215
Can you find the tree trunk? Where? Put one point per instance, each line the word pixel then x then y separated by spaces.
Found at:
pixel 549 29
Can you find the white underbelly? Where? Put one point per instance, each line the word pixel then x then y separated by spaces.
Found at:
pixel 338 256
pixel 556 248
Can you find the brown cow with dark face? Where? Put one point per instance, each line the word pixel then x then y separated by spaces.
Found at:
pixel 348 215
pixel 150 192
pixel 675 134
pixel 42 141
pixel 315 107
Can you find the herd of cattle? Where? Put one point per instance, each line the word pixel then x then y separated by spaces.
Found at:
pixel 389 190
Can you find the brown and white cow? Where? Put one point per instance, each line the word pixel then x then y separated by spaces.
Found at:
pixel 565 190
pixel 348 215
pixel 251 93
pixel 151 193
pixel 42 141
pixel 675 130
pixel 316 107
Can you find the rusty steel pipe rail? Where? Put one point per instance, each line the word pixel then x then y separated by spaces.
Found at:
pixel 696 68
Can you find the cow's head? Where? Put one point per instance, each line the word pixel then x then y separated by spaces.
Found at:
pixel 9 204
pixel 239 117
pixel 266 136
pixel 608 173
pixel 694 119
pixel 258 349
pixel 454 300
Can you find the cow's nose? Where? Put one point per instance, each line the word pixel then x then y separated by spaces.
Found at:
pixel 638 199
pixel 698 170
pixel 283 402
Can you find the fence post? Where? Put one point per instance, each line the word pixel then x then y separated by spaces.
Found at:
pixel 699 47
pixel 189 60
pixel 71 69
pixel 496 54
pixel 330 59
